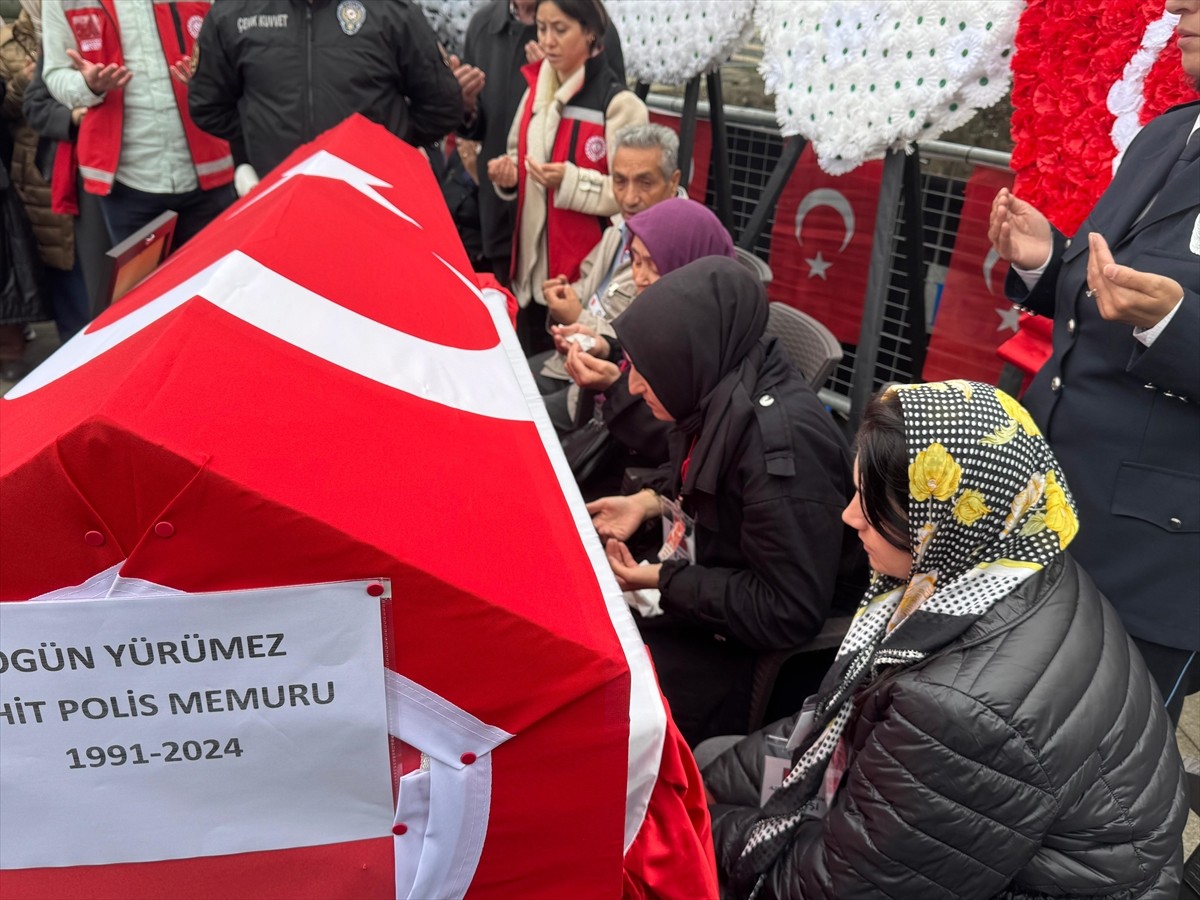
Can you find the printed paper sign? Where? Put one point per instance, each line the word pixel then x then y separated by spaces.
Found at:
pixel 177 725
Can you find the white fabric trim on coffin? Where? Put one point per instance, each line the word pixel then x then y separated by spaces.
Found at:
pixel 438 854
pixel 108 584
pixel 412 808
pixel 137 587
pixel 450 376
pixel 452 835
pixel 94 588
pixel 647 716
pixel 435 726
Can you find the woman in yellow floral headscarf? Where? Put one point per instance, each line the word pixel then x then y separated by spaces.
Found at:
pixel 988 729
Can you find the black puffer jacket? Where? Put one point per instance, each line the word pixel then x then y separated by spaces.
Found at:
pixel 277 74
pixel 1031 758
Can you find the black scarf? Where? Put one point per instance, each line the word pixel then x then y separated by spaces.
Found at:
pixel 695 336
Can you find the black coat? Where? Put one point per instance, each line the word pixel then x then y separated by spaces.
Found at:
pixel 772 556
pixel 23 296
pixel 1124 420
pixel 52 121
pixel 495 42
pixel 1030 758
pixel 461 194
pixel 49 118
pixel 278 74
pixel 22 284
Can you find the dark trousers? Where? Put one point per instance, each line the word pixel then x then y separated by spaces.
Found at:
pixel 553 391
pixel 531 330
pixel 126 210
pixel 500 266
pixel 1175 671
pixel 69 297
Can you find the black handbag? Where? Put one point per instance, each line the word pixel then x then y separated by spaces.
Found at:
pixel 589 449
pixel 23 294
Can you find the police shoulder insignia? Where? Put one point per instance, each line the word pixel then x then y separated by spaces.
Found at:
pixel 351 15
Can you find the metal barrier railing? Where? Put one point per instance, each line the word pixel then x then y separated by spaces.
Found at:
pixel 755 146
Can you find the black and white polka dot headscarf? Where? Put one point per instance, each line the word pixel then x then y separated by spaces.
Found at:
pixel 988 506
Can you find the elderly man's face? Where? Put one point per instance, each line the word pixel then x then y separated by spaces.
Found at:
pixel 1188 30
pixel 638 181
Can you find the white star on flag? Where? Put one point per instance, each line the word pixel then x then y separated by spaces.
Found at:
pixel 1008 318
pixel 817 266
pixel 324 164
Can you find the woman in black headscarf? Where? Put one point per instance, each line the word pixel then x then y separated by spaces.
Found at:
pixel 754 551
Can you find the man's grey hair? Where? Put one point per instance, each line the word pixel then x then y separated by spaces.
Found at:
pixel 651 136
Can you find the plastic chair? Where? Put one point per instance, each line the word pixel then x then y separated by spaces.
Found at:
pixel 759 268
pixel 812 347
pixel 769 664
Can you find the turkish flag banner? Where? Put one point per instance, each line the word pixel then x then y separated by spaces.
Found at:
pixel 1030 347
pixel 821 243
pixel 697 185
pixel 974 317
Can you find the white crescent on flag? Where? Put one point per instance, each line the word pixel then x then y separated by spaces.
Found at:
pixel 832 198
pixel 989 263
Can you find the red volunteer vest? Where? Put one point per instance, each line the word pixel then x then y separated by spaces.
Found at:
pixel 581 140
pixel 97 37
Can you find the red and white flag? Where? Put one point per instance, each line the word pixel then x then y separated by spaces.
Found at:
pixel 974 317
pixel 821 243
pixel 696 179
pixel 314 390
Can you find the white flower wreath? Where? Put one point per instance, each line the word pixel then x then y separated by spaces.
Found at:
pixel 857 77
pixel 449 20
pixel 672 41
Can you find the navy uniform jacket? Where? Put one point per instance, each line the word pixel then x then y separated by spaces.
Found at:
pixel 1123 419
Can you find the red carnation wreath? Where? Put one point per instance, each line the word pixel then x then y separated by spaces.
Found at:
pixel 1070 56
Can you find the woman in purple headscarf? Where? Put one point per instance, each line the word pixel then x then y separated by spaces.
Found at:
pixel 672 234
pixel 663 238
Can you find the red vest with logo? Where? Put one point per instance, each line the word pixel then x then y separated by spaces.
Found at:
pixel 581 140
pixel 98 39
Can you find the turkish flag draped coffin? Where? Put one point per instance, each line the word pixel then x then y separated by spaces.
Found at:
pixel 974 317
pixel 821 243
pixel 314 389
